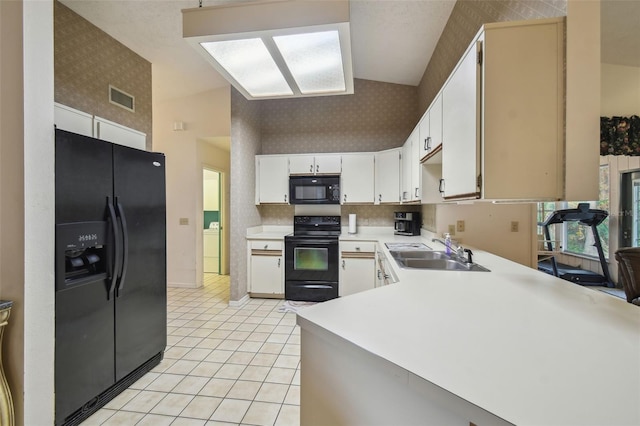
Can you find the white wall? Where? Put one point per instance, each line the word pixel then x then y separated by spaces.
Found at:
pixel 204 115
pixel 620 90
pixel 488 227
pixel 27 205
pixel 39 213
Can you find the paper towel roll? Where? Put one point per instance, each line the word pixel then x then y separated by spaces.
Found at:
pixel 352 223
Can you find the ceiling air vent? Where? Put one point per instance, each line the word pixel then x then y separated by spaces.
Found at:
pixel 122 99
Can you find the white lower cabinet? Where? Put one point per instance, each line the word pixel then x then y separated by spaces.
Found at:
pixel 266 268
pixel 357 267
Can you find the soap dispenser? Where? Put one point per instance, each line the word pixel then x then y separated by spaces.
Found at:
pixel 447 243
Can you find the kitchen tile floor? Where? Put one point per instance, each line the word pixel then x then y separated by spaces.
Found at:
pixel 222 365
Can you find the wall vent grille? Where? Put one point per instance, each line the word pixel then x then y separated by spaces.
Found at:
pixel 122 99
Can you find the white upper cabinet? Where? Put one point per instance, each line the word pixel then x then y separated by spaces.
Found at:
pixel 72 120
pixel 314 164
pixel 430 128
pixel 523 109
pixel 272 179
pixel 460 112
pixel 411 169
pixel 116 133
pixel 357 178
pixel 503 115
pixel 387 176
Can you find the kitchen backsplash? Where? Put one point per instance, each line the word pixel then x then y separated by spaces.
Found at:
pixel 366 215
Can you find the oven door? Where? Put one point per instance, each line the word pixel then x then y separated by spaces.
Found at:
pixel 311 268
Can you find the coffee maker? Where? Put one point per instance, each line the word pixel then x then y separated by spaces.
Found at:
pixel 407 223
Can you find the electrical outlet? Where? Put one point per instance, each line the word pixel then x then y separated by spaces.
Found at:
pixel 452 230
pixel 184 221
pixel 514 226
pixel 460 226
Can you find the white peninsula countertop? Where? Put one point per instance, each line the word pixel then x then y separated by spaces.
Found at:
pixel 518 344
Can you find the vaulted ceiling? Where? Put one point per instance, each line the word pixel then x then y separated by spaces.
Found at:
pixel 392 40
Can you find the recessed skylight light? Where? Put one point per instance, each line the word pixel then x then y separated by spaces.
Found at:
pixel 314 60
pixel 249 62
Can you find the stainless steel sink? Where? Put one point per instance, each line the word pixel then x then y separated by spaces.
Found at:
pixel 419 254
pixel 440 264
pixel 436 260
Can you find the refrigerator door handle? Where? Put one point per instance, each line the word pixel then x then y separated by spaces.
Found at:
pixel 116 250
pixel 125 247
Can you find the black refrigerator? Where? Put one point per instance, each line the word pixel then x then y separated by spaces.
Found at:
pixel 110 271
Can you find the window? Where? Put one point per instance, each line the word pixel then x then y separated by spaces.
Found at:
pixel 544 210
pixel 576 238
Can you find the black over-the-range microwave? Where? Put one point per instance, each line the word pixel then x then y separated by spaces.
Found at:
pixel 314 189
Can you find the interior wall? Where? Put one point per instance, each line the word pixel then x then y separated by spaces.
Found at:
pixel 488 227
pixel 39 213
pixel 245 145
pixel 620 90
pixel 26 197
pixel 12 196
pixel 377 116
pixel 204 115
pixel 87 60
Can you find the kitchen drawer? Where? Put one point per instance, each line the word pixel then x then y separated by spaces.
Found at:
pixel 266 245
pixel 358 246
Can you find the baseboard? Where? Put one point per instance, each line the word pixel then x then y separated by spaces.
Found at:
pixel 239 303
pixel 183 285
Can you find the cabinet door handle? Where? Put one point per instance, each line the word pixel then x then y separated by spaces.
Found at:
pixel 285 198
pixel 266 246
pixel 428 141
pixel 317 168
pixel 342 263
pixel 416 193
pixel 311 168
pixel 441 186
pixel 379 274
pixel 379 198
pixel 279 260
pixel 345 198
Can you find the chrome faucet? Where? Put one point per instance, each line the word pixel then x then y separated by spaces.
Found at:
pixel 463 254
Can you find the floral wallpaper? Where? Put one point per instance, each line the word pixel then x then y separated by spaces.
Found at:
pixel 620 135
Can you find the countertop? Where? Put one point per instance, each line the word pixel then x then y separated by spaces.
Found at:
pixel 523 345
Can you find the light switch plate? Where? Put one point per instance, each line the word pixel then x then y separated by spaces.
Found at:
pixel 184 221
pixel 514 226
pixel 452 230
pixel 460 226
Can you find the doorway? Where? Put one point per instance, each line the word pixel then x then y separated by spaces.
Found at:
pixel 630 209
pixel 212 214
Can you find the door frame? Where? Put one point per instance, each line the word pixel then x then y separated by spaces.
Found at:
pixel 223 268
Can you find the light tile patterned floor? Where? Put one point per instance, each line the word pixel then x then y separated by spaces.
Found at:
pixel 222 365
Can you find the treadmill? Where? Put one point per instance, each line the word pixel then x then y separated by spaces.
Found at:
pixel 588 217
